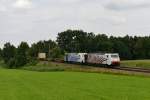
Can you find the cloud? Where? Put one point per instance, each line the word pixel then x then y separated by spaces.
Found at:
pixel 68 1
pixel 2 8
pixel 120 5
pixel 33 20
pixel 23 4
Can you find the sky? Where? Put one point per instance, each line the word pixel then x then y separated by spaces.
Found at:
pixel 34 20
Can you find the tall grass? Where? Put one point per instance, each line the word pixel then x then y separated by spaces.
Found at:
pixel 136 63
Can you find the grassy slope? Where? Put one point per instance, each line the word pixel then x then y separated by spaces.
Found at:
pixel 53 66
pixel 136 63
pixel 28 85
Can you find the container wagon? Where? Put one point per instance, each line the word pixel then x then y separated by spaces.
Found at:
pixel 93 58
pixel 42 56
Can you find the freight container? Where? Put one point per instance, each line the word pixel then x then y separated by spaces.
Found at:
pixel 42 56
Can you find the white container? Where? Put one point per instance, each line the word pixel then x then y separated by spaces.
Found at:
pixel 41 55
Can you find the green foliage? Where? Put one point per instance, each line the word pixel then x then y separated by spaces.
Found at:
pixel 0 53
pixel 11 63
pixel 20 60
pixel 128 47
pixel 77 41
pixel 122 49
pixel 56 53
pixel 73 40
pixel 32 62
pixel 8 52
pixel 21 55
pixel 15 57
pixel 103 44
pixel 41 46
pixel 33 51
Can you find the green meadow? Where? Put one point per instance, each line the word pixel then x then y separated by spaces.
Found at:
pixel 136 63
pixel 32 85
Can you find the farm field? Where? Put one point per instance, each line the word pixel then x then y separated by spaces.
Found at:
pixel 32 85
pixel 136 63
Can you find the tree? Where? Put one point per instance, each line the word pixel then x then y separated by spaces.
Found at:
pixel 0 53
pixel 42 46
pixel 90 42
pixel 48 46
pixel 73 40
pixel 8 52
pixel 77 41
pixel 33 51
pixel 147 47
pixel 139 51
pixel 122 49
pixel 21 57
pixel 103 44
pixel 56 53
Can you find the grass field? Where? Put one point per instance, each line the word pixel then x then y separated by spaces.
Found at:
pixel 136 63
pixel 31 85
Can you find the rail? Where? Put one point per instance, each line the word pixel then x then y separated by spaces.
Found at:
pixel 133 69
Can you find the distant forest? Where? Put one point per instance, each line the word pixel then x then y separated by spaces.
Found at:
pixel 78 41
pixel 128 47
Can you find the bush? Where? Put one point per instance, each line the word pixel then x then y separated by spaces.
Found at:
pixel 32 62
pixel 8 53
pixel 43 68
pixel 11 63
pixel 56 53
pixel 20 60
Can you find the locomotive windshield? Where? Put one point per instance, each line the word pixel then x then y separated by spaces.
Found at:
pixel 114 56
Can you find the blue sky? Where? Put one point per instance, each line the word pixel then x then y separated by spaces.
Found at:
pixel 34 20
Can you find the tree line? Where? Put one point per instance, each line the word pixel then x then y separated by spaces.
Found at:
pixel 15 57
pixel 128 47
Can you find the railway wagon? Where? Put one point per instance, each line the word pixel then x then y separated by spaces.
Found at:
pixel 42 56
pixel 93 58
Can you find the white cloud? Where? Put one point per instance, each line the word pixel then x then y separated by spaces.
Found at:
pixel 23 4
pixel 46 18
pixel 68 1
pixel 3 8
pixel 127 4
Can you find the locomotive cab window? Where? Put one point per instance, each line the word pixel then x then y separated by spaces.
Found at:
pixel 114 56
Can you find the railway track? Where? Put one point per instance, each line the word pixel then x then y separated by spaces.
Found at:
pixel 133 69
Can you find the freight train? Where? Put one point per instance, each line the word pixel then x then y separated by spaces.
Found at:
pixel 93 58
